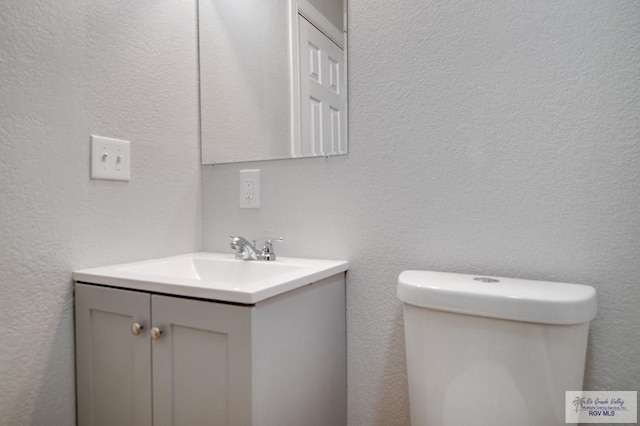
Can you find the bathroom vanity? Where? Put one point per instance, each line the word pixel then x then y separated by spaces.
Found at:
pixel 205 339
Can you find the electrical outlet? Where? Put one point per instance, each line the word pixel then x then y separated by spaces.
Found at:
pixel 249 189
pixel 110 158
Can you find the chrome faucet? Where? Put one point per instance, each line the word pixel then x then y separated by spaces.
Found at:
pixel 246 250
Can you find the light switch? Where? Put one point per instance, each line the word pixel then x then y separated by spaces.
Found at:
pixel 250 189
pixel 110 158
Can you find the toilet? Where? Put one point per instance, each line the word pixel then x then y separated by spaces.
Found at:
pixel 492 351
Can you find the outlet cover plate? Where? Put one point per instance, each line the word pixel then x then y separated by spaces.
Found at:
pixel 110 158
pixel 249 189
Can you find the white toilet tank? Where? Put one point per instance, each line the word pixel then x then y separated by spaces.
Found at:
pixel 492 351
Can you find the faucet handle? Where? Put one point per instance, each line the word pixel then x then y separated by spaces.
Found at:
pixel 267 249
pixel 270 240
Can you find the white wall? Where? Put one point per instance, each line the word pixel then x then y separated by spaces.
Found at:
pixel 68 69
pixel 497 138
pixel 486 137
pixel 333 10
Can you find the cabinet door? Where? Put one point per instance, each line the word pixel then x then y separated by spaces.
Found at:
pixel 201 363
pixel 113 369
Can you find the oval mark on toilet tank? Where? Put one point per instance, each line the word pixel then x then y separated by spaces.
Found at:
pixel 486 280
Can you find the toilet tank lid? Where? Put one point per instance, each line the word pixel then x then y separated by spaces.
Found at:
pixel 498 297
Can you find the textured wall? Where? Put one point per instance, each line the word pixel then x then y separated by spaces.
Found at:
pixel 68 69
pixel 486 137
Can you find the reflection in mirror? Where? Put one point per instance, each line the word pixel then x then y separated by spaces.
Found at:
pixel 272 79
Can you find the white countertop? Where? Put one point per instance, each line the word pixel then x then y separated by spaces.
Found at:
pixel 214 276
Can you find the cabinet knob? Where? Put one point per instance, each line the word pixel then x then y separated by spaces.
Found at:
pixel 156 333
pixel 136 328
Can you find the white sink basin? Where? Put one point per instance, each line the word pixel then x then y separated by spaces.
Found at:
pixel 214 276
pixel 213 269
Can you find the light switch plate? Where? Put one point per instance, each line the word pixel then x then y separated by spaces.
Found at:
pixel 250 189
pixel 110 158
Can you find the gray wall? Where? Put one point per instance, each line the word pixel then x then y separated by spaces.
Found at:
pixel 333 10
pixel 497 138
pixel 485 137
pixel 68 69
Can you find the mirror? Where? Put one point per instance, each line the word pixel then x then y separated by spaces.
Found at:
pixel 273 79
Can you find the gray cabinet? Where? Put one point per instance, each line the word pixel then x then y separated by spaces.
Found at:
pixel 193 362
pixel 113 369
pixel 201 363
